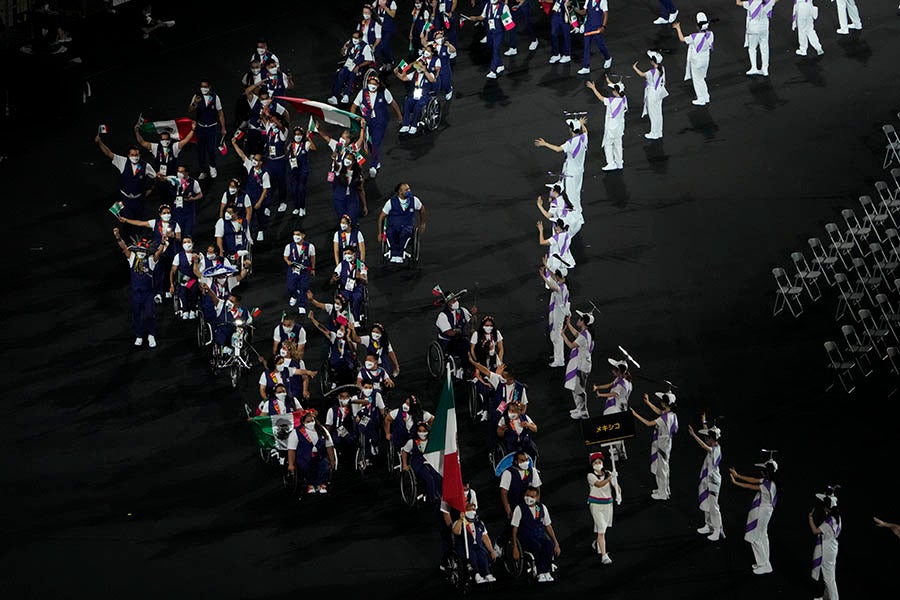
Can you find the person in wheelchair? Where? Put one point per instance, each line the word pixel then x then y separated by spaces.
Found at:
pixel 533 530
pixel 287 372
pixel 377 344
pixel 399 424
pixel 486 344
pixel 351 275
pixel 358 58
pixel 515 480
pixel 183 282
pixel 515 429
pixel 368 408
pixel 404 212
pixel 374 375
pixel 311 451
pixel 341 357
pixel 421 81
pixel 470 531
pixel 229 314
pixel 278 403
pixel 220 280
pixel 413 457
pixel 451 324
pixel 289 330
pixel 347 235
pixel 341 424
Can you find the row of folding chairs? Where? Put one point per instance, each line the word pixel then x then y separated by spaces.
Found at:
pixel 892 149
pixel 855 362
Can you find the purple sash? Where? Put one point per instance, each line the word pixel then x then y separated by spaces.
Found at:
pixel 702 42
pixel 618 109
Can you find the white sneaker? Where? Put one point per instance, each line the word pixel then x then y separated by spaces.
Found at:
pixel 715 536
pixel 168 295
pixel 542 578
pixel 404 129
pixel 607 63
pixel 372 172
pixel 157 299
pixel 762 570
pixel 491 75
pixel 673 16
pixel 490 578
pixel 855 26
pixel 583 70
pixel 511 52
pixel 397 259
pixel 292 302
pixel 202 176
pixel 555 58
pixel 820 51
pixel 656 496
pixel 213 172
pixel 267 212
pixel 533 46
pixel 479 578
pixel 282 207
pixel 413 129
pixel 138 341
pixel 500 69
pixel 449 95
pixel 301 212
pixel 605 559
pixel 259 236
pixel 799 52
pixel 295 212
pixel 192 314
pixel 548 577
pixel 301 311
pixel 151 341
pixel 753 72
pixel 764 72
pixel 843 31
pixel 483 40
pixel 565 59
pixel 345 99
pixel 660 21
pixel 705 530
pixel 332 100
pixel 609 167
pixel 484 416
pixel 698 103
pixel 555 364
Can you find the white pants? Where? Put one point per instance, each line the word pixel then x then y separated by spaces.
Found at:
pixel 613 150
pixel 828 578
pixel 572 184
pixel 579 394
pixel 806 34
pixel 759 540
pixel 557 340
pixel 845 8
pixel 762 41
pixel 713 515
pixel 698 69
pixel 654 111
pixel 662 474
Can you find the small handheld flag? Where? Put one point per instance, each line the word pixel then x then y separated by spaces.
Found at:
pixel 116 208
pixel 311 128
pixel 102 129
pixel 506 18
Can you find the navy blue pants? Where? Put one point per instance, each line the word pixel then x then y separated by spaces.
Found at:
pixel 398 236
pixel 560 30
pixel 412 109
pixel 377 129
pixel 296 180
pixel 297 284
pixel 143 312
pixel 522 18
pixel 188 296
pixel 315 470
pixel 260 220
pixel 207 146
pixel 355 298
pixel 598 41
pixel 346 204
pixel 495 43
pixel 541 547
pixel 343 82
pixel 384 50
pixel 277 168
pixel 479 557
pixel 431 480
pixel 666 8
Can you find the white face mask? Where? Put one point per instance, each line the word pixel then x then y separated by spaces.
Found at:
pixel 273 70
pixel 529 500
pixel 187 246
pixel 254 162
pixel 344 401
pixel 376 336
pixel 470 515
pixel 367 16
pixel 298 239
pixel 405 407
pixel 348 258
pixel 204 90
pixel 281 396
pixel 339 334
pixel 280 367
pixel 438 41
pixel 310 426
pixel 232 191
pixel 228 216
pixel 454 306
pixel 134 159
pixel 283 352
pixel 229 304
pixel 264 101
pixel 426 55
pixel 255 70
pixel 370 365
pixel 210 257
pixel 372 87
pixel 166 217
pixel 423 435
pixel 598 468
pixel 488 328
pixel 523 465
pixel 367 392
pixel 344 227
pixel 347 162
pixel 260 51
pixel 298 138
pixel 164 143
pixel 179 175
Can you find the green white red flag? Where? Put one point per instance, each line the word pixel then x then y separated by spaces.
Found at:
pixel 442 450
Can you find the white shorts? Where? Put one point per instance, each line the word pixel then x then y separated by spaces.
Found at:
pixel 602 514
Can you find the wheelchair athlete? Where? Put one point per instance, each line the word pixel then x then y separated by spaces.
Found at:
pixel 470 531
pixel 413 457
pixel 501 389
pixel 516 480
pixel 533 530
pixel 278 403
pixel 421 81
pixel 403 212
pixel 341 357
pixel 340 423
pixel 352 276
pixel 373 374
pixel 451 324
pixel 400 423
pixel 515 429
pixel 358 58
pixel 229 316
pixel 378 345
pixel 368 410
pixel 311 451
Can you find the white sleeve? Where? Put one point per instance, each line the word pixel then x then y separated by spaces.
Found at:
pixel 516 516
pixel 279 109
pixel 536 479
pixel 495 380
pixel 378 30
pixel 337 270
pixel 417 204
pixel 367 54
pixel 262 379
pixel 427 416
pixel 329 418
pixel 312 250
pixel 546 520
pixel 177 260
pixel 442 323
pixel 276 335
pixel 196 189
pixel 499 336
pixel 332 143
pixel 604 6
pixel 474 339
pixel 176 149
pixel 153 148
pixel 248 164
pixel 393 414
pixel 293 440
pixel 388 97
pixel 151 223
pixel 505 480
pixel 219 230
pixel 358 100
pixel 224 200
pixel 387 207
pixel 218 103
pixel 407 447
pixel 301 338
pixel 287 250
pixel 247 202
pixel 266 183
pixel 119 162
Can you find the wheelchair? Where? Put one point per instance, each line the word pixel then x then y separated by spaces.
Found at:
pixel 436 358
pixel 526 565
pixel 391 457
pixel 361 78
pixel 501 460
pixel 410 250
pixel 409 488
pixel 361 463
pixel 204 330
pixel 237 363
pixel 458 572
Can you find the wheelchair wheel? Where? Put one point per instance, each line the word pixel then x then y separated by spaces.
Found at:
pixel 435 359
pixel 202 329
pixel 496 456
pixel 325 377
pixel 385 249
pixel 458 573
pixel 360 456
pixel 516 568
pixel 431 114
pixel 290 481
pixel 414 251
pixel 364 313
pixel 370 72
pixel 234 374
pixel 408 488
pixel 391 459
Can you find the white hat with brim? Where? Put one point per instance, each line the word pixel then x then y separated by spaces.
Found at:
pixel 669 397
pixel 454 296
pixel 586 316
pixel 833 498
pixel 714 430
pixel 766 464
pixel 618 363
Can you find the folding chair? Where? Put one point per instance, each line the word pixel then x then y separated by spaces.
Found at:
pixel 893 243
pixel 856 230
pixel 884 265
pixel 807 276
pixel 847 296
pixel 841 246
pixel 876 215
pixel 823 259
pixel 876 336
pixel 890 319
pixel 895 175
pixel 786 294
pixel 892 149
pixel 893 356
pixel 842 368
pixel 889 199
pixel 857 349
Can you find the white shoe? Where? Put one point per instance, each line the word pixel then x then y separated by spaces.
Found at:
pixel 762 570
pixel 168 295
pixel 609 167
pixel 565 59
pixel 584 415
pixel 202 176
pixel 799 52
pixel 657 496
pixel 843 31
pixel 151 341
pixel 295 212
pixel 542 578
pixel 547 577
pixel 345 99
pixel 605 559
pixel 372 172
pixel 413 129
pixel 397 259
pixel 650 136
pixel 820 51
pixel 607 63
pixel 259 236
pixel 555 58
pixel 157 299
pixel 764 72
pixel 705 530
pixel 533 46
pixel 301 212
pixel 301 311
pixel 673 16
pixel 213 172
pixel 660 21
pixel 555 364
pixel 491 75
pixel 753 72
pixel 856 26
pixel 449 96
pixel 500 69
pixel 138 341
pixel 490 578
pixel 484 416
pixel 267 212
pixel 479 578
pixel 292 302
pixel 404 129
pixel 192 314
pixel 332 100
pixel 698 103
pixel 483 40
pixel 584 70
pixel 282 207
pixel 715 536
pixel 511 52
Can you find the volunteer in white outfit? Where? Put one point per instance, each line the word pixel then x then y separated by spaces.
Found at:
pixel 616 399
pixel 559 245
pixel 579 366
pixel 557 310
pixel 758 14
pixel 757 530
pixel 845 8
pixel 665 426
pixel 826 550
pixel 654 93
pixel 601 485
pixel 614 123
pixel 575 149
pixel 561 209
pixel 699 44
pixel 804 21
pixel 710 480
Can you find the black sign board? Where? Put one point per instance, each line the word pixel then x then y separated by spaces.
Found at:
pixel 607 428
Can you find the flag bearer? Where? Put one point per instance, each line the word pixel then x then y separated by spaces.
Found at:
pixel 372 102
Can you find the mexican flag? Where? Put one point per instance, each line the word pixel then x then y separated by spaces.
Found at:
pixel 428 26
pixel 442 452
pixel 324 111
pixel 311 128
pixel 273 431
pixel 360 159
pixel 506 18
pixel 177 129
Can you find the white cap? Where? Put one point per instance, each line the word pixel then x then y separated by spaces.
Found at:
pixel 702 20
pixel 586 316
pixel 618 363
pixel 831 497
pixel 714 430
pixel 656 56
pixel 574 124
pixel 767 463
pixel 668 396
